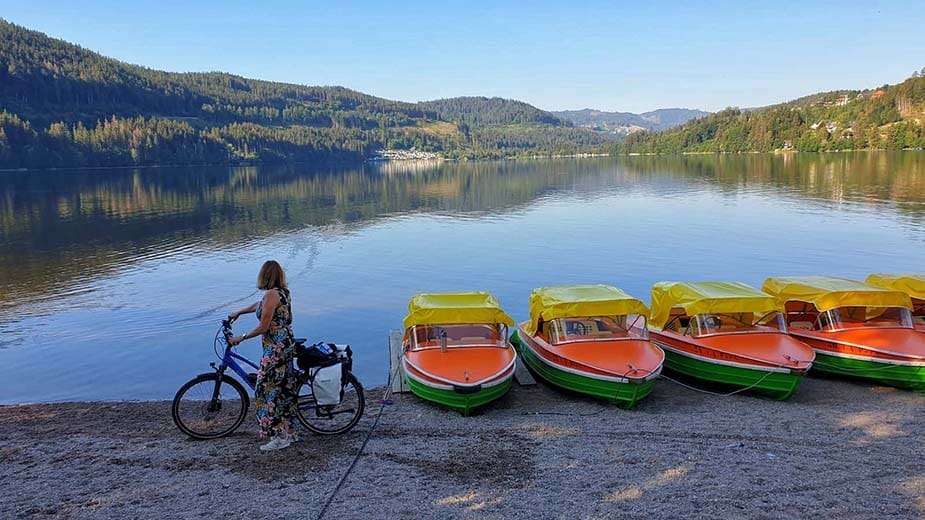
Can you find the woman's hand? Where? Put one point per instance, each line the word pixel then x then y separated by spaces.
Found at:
pixel 235 315
pixel 235 340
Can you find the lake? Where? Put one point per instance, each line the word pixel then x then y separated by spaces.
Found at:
pixel 113 282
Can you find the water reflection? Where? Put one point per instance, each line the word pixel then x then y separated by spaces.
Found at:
pixel 106 257
pixel 64 229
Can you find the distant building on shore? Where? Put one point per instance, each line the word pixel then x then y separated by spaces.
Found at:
pixel 404 155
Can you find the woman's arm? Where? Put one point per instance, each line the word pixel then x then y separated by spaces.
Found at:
pixel 235 315
pixel 270 302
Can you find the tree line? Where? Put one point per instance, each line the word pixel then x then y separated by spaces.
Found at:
pixel 147 141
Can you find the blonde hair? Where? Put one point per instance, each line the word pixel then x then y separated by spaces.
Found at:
pixel 271 276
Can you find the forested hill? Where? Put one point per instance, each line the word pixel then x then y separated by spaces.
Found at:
pixel 62 105
pixel 483 111
pixel 889 117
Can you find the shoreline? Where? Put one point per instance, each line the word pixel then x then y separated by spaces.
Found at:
pixel 837 448
pixel 373 160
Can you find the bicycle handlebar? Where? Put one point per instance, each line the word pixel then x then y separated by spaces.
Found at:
pixel 226 327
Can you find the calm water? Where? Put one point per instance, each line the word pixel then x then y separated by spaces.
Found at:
pixel 112 283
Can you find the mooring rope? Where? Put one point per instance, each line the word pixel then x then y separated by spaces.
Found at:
pixel 383 402
pixel 701 390
pixel 858 369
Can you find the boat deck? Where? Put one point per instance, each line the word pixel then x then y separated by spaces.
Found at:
pixel 772 349
pixel 890 342
pixel 461 365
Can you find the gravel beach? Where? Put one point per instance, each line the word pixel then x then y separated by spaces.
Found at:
pixel 836 449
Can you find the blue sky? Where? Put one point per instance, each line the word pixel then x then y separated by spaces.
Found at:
pixel 557 55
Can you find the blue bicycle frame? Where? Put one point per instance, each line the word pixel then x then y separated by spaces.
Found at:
pixel 230 361
pixel 230 358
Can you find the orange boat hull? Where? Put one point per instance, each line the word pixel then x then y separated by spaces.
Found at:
pixel 879 344
pixel 460 366
pixel 771 363
pixel 760 350
pixel 629 359
pixel 892 356
pixel 462 378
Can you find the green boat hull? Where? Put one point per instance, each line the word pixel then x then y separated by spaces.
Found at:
pixel 900 376
pixel 626 395
pixel 463 403
pixel 777 385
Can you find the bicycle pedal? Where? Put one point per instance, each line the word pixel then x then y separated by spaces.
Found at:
pixel 385 401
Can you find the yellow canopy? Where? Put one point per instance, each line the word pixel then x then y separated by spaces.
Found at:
pixel 707 298
pixel 829 293
pixel 580 301
pixel 455 308
pixel 912 284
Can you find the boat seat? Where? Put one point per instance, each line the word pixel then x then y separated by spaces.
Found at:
pixel 808 325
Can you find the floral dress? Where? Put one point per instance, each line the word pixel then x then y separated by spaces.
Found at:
pixel 277 395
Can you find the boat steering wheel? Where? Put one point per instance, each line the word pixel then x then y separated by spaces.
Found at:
pixel 579 328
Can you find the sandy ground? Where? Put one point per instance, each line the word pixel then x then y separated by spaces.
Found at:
pixel 837 449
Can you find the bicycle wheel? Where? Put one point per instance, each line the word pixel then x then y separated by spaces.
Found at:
pixel 336 418
pixel 198 415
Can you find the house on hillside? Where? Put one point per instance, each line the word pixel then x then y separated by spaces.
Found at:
pixel 842 100
pixel 878 94
pixel 830 126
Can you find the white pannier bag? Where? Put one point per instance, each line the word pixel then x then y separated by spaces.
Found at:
pixel 326 386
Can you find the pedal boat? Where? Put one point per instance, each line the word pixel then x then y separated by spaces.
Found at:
pixel 856 329
pixel 590 339
pixel 912 284
pixel 727 333
pixel 455 349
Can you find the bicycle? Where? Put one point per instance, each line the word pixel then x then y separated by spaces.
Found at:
pixel 214 404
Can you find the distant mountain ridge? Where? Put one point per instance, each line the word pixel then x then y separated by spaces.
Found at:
pixel 625 123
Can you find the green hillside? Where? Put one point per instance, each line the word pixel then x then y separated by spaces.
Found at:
pixel 890 117
pixel 62 105
pixel 483 111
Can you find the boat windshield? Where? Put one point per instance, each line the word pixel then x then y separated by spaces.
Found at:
pixel 597 328
pixel 844 318
pixel 918 311
pixel 467 335
pixel 735 323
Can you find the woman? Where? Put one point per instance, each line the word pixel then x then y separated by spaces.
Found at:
pixel 276 395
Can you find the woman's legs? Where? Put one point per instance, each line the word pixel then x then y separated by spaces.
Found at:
pixel 273 397
pixel 288 400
